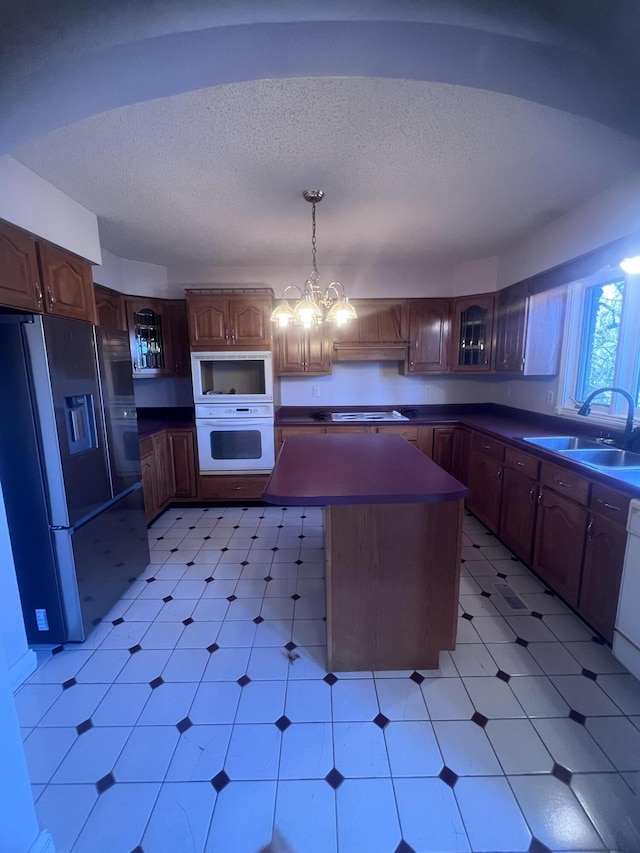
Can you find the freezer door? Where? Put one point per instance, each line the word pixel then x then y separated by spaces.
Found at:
pixel 64 374
pixel 119 407
pixel 98 560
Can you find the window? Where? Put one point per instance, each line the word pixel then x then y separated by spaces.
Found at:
pixel 603 343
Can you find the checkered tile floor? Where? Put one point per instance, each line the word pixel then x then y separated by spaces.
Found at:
pixel 199 715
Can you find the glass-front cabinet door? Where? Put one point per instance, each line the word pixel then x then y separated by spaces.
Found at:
pixel 148 335
pixel 472 333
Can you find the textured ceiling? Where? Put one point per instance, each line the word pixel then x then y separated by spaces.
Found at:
pixel 413 171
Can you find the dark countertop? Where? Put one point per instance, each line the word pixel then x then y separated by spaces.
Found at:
pixel 316 470
pixel 157 419
pixel 508 424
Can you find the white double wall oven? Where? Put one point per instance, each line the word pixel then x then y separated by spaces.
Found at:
pixel 233 396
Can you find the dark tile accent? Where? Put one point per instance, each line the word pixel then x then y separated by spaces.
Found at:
pixel 193 527
pixel 213 648
pixel 298 562
pixel 500 575
pixel 174 550
pixel 59 649
pixel 415 676
pixel 599 640
pixel 561 773
pixel 267 578
pixel 381 721
pixel 190 563
pixel 220 781
pixel 280 526
pixel 479 719
pixel 178 518
pixel 403 847
pixel 467 616
pixel 301 536
pixel 84 726
pixel 206 538
pixel 151 580
pixel 295 596
pixel 448 776
pixel 476 546
pixel 334 778
pixel 330 679
pixel 254 536
pixel 167 598
pixel 184 725
pixel 590 675
pixel 244 563
pixel 105 783
pixel 135 649
pixel 70 682
pixel 538 847
pixel 485 594
pixel 224 550
pixel 159 538
pixel 536 615
pixel 208 580
pixel 258 620
pixel 156 682
pixel 275 548
pixel 290 646
pixel 282 723
pixel 187 621
pixel 244 680
pixel 231 597
pixel 548 592
pixel 503 676
pixel 117 621
pixel 577 717
pixel 521 642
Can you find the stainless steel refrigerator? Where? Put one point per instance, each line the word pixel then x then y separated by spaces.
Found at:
pixel 70 471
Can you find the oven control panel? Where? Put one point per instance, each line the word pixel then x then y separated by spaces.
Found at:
pixel 224 410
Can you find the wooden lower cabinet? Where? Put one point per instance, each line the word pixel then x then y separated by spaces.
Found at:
pixel 518 513
pixel 485 489
pixel 164 467
pixel 231 487
pixel 559 543
pixel 602 573
pixel 182 453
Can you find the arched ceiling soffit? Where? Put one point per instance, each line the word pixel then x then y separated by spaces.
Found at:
pixel 554 67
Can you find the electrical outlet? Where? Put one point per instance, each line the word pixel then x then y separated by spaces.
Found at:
pixel 316 390
pixel 427 390
pixel 550 397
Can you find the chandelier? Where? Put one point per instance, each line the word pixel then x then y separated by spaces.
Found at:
pixel 309 307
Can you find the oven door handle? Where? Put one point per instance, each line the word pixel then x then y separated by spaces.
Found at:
pixel 238 423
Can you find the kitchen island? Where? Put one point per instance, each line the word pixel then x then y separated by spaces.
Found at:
pixel 393 532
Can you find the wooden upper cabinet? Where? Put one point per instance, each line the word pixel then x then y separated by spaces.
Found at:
pixel 529 330
pixel 472 333
pixel 511 326
pixel 299 350
pixel 20 285
pixel 429 331
pixel 149 336
pixel 110 309
pixel 378 333
pixel 179 355
pixel 67 283
pixel 223 319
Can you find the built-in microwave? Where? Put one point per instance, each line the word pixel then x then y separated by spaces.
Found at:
pixel 232 377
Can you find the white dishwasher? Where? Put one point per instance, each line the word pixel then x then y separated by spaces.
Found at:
pixel 626 638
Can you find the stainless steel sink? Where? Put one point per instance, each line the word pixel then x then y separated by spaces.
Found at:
pixel 610 457
pixel 564 442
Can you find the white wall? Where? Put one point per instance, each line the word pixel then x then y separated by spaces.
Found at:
pixel 31 203
pixel 133 277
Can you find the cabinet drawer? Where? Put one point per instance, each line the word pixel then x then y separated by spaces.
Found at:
pixel 608 502
pixel 565 482
pixel 522 462
pixel 490 446
pixel 231 488
pixel 408 432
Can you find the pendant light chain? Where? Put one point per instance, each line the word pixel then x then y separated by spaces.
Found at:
pixel 314 269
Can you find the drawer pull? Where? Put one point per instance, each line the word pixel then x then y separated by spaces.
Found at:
pixel 486 446
pixel 531 493
pixel 561 483
pixel 521 464
pixel 589 531
pixel 609 506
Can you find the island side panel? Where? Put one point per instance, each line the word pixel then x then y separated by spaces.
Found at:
pixel 392 574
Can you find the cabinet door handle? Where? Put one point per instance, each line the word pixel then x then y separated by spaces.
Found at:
pixel 226 333
pixel 539 497
pixel 589 530
pixel 486 446
pixel 499 473
pixel 521 464
pixel 561 483
pixel 38 293
pixel 609 506
pixel 531 493
pixel 52 299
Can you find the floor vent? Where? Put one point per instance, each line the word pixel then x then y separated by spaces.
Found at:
pixel 514 602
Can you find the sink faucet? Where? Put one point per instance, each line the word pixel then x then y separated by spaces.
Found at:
pixel 585 408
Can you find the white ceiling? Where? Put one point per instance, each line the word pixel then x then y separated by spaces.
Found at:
pixel 414 171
